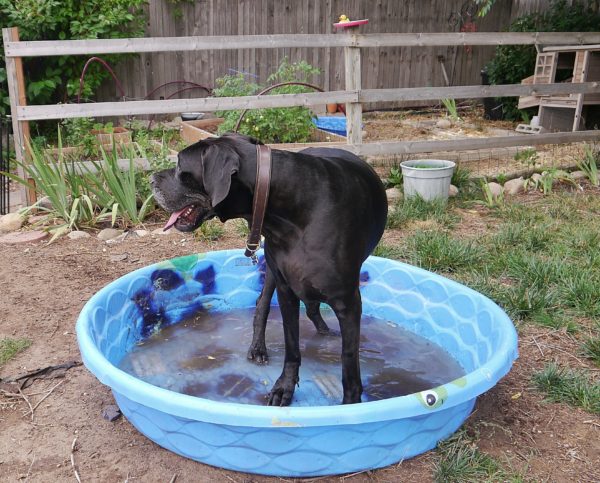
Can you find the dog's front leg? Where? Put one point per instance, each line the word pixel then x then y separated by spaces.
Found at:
pixel 283 389
pixel 258 348
pixel 349 312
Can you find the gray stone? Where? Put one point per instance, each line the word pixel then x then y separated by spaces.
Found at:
pixel 109 234
pixel 11 222
pixel 535 177
pixel 159 231
pixel 452 191
pixel 514 186
pixel 577 175
pixel 78 235
pixel 45 203
pixel 444 123
pixel 141 233
pixel 393 195
pixel 111 413
pixel 495 189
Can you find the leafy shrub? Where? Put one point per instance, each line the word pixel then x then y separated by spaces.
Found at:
pixel 513 63
pixel 275 125
pixel 54 79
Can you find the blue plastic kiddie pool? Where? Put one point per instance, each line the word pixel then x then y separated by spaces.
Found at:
pixel 295 441
pixel 332 124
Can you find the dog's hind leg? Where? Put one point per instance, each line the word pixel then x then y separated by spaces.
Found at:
pixel 283 389
pixel 349 312
pixel 258 348
pixel 314 314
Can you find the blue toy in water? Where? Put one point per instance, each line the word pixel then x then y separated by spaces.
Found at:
pixel 295 441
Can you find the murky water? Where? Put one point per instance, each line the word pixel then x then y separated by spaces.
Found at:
pixel 205 356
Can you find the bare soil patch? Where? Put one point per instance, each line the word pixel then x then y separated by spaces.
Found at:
pixel 43 288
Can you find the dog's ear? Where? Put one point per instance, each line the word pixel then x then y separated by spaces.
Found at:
pixel 219 163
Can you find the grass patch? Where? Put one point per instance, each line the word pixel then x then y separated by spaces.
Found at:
pixel 572 387
pixel 591 349
pixel 416 208
pixel 460 460
pixel 438 251
pixel 9 348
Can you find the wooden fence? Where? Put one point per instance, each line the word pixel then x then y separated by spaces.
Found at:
pixel 353 96
pixel 382 66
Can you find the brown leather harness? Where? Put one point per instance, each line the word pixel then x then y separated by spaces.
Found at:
pixel 261 197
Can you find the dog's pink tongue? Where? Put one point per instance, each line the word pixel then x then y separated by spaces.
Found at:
pixel 173 218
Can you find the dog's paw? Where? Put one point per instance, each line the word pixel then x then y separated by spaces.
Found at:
pixel 281 394
pixel 258 355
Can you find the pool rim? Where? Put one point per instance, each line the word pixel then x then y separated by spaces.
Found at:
pixel 201 409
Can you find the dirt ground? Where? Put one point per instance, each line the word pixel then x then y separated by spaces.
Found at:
pixel 42 290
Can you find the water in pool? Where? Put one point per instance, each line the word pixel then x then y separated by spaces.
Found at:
pixel 205 356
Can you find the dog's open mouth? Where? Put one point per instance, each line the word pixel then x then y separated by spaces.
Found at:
pixel 186 219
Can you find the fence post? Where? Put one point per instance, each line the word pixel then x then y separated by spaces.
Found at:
pixel 352 68
pixel 16 89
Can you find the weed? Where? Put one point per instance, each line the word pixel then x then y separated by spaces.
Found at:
pixel 416 208
pixel 395 177
pixel 591 349
pixel 386 251
pixel 489 199
pixel 210 230
pixel 580 290
pixel 11 347
pixel 460 460
pixel 546 181
pixel 589 165
pixel 555 320
pixel 527 156
pixel 461 177
pixel 450 105
pixel 569 386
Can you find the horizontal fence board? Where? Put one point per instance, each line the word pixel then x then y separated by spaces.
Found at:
pixel 43 48
pixel 475 92
pixel 416 147
pixel 132 108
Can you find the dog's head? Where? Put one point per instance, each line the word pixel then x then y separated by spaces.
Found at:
pixel 199 182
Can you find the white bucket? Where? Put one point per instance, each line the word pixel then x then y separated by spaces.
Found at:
pixel 428 178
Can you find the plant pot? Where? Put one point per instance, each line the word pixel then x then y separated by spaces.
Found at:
pixel 332 108
pixel 428 178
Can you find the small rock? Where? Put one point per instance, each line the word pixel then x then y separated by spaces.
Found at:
pixel 111 413
pixel 577 175
pixel 444 124
pixel 119 257
pixel 78 235
pixel 159 231
pixel 11 222
pixel 535 177
pixel 109 234
pixel 33 219
pixel 45 203
pixel 452 191
pixel 495 189
pixel 514 186
pixel 141 233
pixel 393 195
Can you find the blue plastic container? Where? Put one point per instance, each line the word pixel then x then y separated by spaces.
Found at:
pixel 295 441
pixel 333 124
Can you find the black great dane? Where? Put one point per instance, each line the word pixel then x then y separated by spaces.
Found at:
pixel 326 212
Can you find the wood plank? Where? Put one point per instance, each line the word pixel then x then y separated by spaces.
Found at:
pixel 44 48
pixel 353 76
pixel 416 147
pixel 17 94
pixel 475 92
pixel 130 108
